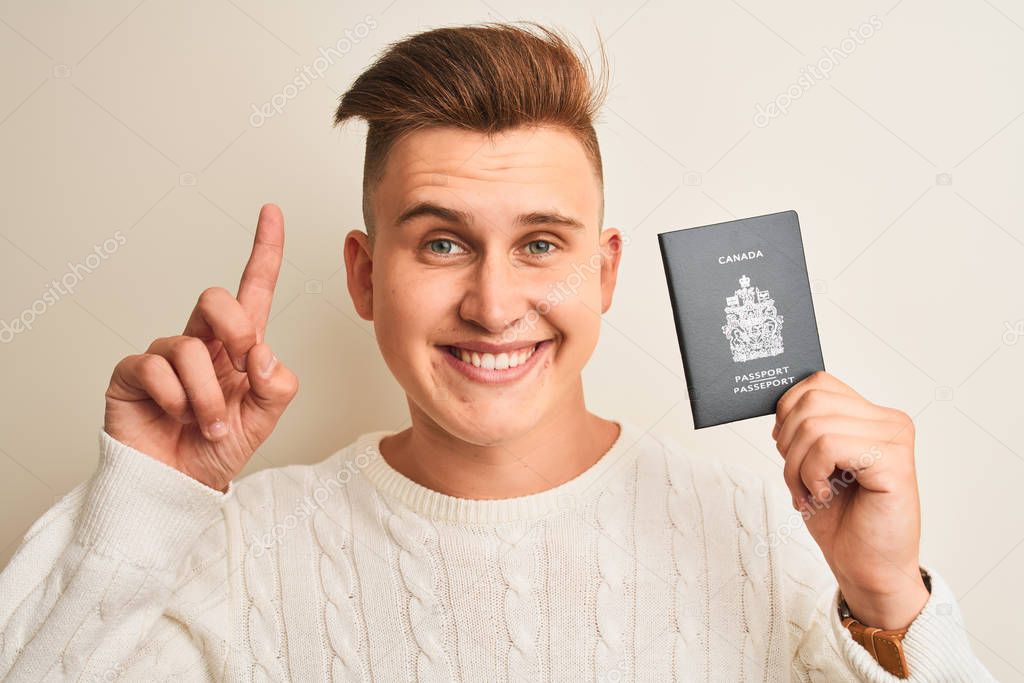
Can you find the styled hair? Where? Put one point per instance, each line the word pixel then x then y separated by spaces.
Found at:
pixel 487 78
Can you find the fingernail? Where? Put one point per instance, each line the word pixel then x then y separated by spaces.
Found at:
pixel 218 429
pixel 240 362
pixel 269 367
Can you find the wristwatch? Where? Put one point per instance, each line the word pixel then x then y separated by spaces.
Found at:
pixel 886 647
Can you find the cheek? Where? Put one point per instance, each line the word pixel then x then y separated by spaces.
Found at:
pixel 412 299
pixel 577 318
pixel 415 308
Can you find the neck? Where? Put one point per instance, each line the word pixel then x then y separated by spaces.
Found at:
pixel 558 448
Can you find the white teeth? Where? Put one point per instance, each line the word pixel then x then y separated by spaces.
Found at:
pixel 490 361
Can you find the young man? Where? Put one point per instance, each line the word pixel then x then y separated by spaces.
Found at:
pixel 509 533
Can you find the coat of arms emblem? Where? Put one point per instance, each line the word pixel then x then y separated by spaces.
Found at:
pixel 753 326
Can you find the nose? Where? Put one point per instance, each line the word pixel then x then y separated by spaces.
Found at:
pixel 495 296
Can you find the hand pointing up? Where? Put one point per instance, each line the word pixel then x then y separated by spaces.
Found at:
pixel 203 401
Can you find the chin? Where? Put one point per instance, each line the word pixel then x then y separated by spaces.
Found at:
pixel 488 427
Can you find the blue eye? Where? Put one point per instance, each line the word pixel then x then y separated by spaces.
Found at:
pixel 443 246
pixel 546 247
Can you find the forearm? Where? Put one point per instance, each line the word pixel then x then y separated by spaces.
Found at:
pixel 97 573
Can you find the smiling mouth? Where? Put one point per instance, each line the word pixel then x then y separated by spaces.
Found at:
pixel 494 361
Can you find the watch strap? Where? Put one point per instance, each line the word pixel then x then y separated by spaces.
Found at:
pixel 885 647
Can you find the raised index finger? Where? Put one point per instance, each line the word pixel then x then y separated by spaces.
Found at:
pixel 256 289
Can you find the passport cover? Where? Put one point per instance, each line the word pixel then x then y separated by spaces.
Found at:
pixel 743 314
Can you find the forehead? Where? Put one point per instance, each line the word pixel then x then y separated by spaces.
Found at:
pixel 535 168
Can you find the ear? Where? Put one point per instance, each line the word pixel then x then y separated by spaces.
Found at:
pixel 611 250
pixel 359 266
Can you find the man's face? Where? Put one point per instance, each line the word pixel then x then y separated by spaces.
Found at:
pixel 488 276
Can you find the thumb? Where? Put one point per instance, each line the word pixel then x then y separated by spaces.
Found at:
pixel 272 387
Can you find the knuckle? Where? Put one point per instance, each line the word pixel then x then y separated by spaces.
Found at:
pixel 817 397
pixel 810 465
pixel 183 347
pixel 149 366
pixel 802 431
pixel 905 428
pixel 159 341
pixel 210 295
pixel 813 400
pixel 813 425
pixel 126 367
pixel 826 443
pixel 128 361
pixel 782 405
pixel 904 419
pixel 814 454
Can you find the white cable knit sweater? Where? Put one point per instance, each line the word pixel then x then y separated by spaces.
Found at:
pixel 651 565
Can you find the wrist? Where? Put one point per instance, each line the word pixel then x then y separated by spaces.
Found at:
pixel 892 609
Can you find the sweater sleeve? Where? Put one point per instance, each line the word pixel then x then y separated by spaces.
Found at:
pixel 126 573
pixel 936 646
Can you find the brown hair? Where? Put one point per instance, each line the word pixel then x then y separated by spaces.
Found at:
pixel 486 77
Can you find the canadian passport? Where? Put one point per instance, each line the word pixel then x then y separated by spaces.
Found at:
pixel 743 313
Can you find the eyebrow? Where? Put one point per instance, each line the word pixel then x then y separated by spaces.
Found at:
pixel 426 208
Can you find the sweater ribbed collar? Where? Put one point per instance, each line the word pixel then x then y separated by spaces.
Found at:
pixel 445 508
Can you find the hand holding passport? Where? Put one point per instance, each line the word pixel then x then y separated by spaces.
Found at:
pixel 743 313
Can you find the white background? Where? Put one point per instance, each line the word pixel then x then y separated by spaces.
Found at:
pixel 904 166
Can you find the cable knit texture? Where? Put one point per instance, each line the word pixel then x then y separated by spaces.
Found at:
pixel 653 564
